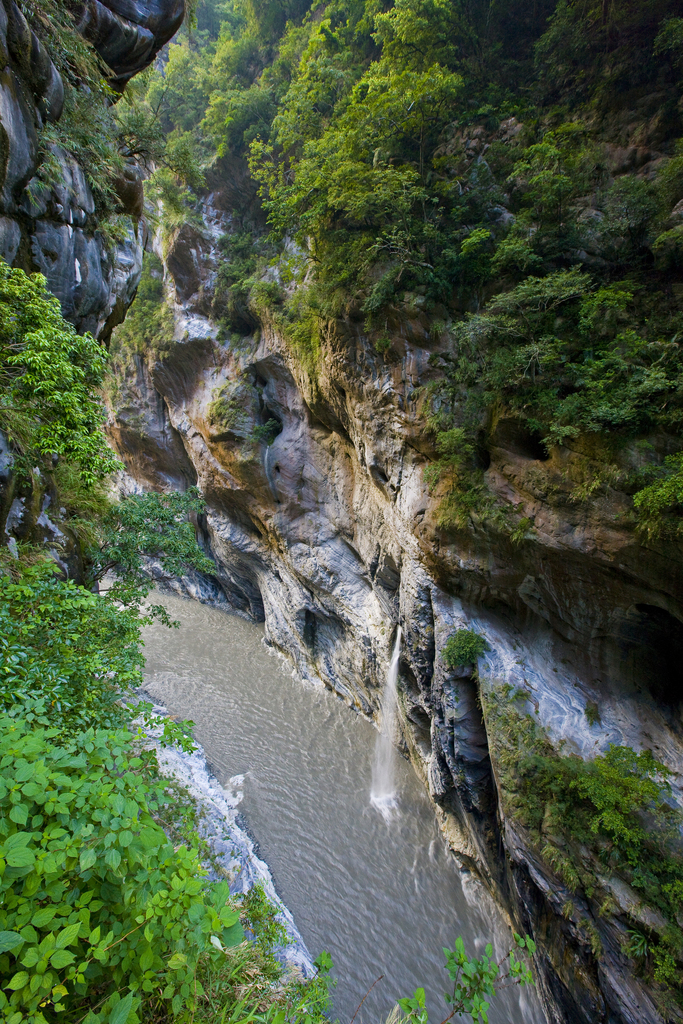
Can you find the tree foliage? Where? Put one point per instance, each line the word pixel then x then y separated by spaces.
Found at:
pixel 149 323
pixel 50 378
pixel 147 526
pixel 65 652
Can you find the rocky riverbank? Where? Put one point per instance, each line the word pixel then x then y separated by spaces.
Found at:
pixel 232 854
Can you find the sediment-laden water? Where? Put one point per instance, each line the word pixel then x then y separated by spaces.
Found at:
pixel 382 896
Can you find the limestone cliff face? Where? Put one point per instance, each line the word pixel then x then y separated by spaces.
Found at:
pixel 328 535
pixel 56 230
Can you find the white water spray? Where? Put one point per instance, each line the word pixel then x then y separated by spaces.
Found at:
pixel 383 794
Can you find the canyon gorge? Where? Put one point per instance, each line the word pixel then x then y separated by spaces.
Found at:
pixel 317 440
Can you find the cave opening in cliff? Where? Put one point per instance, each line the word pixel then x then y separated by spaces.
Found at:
pixel 513 435
pixel 651 641
pixel 270 426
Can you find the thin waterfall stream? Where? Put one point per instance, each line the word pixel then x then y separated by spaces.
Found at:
pixel 383 896
pixel 383 794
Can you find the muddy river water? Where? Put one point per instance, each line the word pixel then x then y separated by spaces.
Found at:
pixel 383 897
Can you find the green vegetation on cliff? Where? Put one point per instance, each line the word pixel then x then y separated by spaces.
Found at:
pixel 505 177
pixel 49 405
pixel 608 829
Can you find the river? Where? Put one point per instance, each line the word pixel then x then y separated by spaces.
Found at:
pixel 383 897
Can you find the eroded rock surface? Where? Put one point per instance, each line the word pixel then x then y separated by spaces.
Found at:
pixel 128 34
pixel 55 230
pixel 322 525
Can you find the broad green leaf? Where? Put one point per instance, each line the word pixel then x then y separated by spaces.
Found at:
pixel 147 958
pixel 62 958
pixel 67 936
pixel 119 1015
pixel 228 916
pixel 112 859
pixel 19 813
pixel 31 957
pixel 20 857
pixel 19 981
pixel 8 940
pixel 17 840
pixel 43 916
pixel 233 935
pixel 87 859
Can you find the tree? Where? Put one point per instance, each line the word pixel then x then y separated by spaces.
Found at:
pixel 149 525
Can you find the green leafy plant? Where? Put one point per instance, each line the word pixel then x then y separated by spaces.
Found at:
pixel 638 945
pixel 267 930
pixel 267 432
pixel 611 814
pixel 659 506
pixel 475 981
pixel 149 325
pixel 592 713
pixel 50 377
pixel 464 647
pixel 149 525
pixel 65 655
pixel 99 910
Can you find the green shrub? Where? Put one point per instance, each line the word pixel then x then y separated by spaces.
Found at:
pixel 50 375
pixel 267 432
pixel 98 909
pixel 593 818
pixel 64 652
pixel 592 713
pixel 475 980
pixel 464 647
pixel 224 411
pixel 668 249
pixel 149 323
pixel 659 507
pixel 152 524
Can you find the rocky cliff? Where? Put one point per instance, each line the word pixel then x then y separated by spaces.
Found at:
pixel 445 391
pixel 322 525
pixel 54 227
pixel 51 223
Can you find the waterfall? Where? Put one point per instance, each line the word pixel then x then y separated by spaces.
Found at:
pixel 383 793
